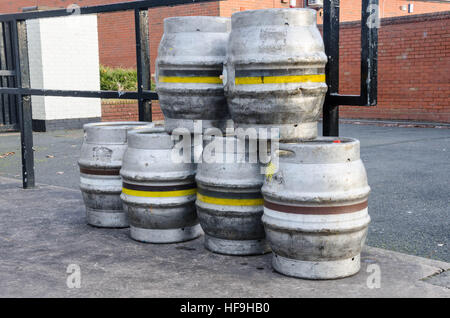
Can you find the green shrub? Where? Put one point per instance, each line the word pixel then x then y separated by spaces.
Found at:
pixel 118 79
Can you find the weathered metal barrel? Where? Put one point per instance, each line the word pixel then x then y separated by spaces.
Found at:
pixel 315 208
pixel 158 193
pixel 100 161
pixel 229 200
pixel 275 71
pixel 188 72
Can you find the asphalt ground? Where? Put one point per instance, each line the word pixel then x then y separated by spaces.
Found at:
pixel 408 171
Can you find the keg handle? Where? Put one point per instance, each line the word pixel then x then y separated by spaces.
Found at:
pixel 224 76
pixel 287 150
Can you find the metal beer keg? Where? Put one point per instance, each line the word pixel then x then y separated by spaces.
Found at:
pixel 229 200
pixel 315 208
pixel 100 162
pixel 188 72
pixel 275 71
pixel 158 193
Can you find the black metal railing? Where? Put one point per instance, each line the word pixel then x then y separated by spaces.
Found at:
pixel 18 85
pixel 8 105
pixel 19 92
pixel 369 62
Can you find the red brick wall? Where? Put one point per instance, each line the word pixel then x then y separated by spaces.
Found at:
pixel 227 8
pixel 413 68
pixel 351 9
pixel 117 34
pixel 117 45
pixel 126 110
pixel 119 110
pixel 7 6
pixel 413 63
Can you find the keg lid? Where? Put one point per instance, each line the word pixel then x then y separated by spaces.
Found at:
pixel 320 150
pixel 197 24
pixel 112 132
pixel 281 16
pixel 150 138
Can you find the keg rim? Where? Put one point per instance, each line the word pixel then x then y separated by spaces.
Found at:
pixel 197 17
pixel 327 144
pixel 241 14
pixel 323 141
pixel 275 10
pixel 150 138
pixel 149 130
pixel 117 125
pixel 320 150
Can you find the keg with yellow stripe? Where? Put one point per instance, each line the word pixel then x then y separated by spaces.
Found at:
pixel 100 161
pixel 275 71
pixel 188 72
pixel 229 200
pixel 315 208
pixel 158 193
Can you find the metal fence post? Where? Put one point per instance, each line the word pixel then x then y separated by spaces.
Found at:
pixel 369 52
pixel 331 40
pixel 143 62
pixel 19 83
pixel 24 102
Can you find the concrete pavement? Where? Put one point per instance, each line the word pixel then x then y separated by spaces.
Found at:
pixel 43 231
pixel 408 170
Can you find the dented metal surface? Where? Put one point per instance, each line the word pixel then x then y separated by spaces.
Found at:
pixel 158 193
pixel 275 71
pixel 100 161
pixel 229 200
pixel 315 213
pixel 188 71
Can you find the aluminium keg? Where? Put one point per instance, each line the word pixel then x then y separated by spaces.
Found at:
pixel 158 193
pixel 100 162
pixel 229 200
pixel 315 208
pixel 275 71
pixel 188 72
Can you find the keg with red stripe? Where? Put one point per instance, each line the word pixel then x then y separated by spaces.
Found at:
pixel 158 191
pixel 315 208
pixel 100 161
pixel 229 200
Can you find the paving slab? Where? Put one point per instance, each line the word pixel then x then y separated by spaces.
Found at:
pixel 43 231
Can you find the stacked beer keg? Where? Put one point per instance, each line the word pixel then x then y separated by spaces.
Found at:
pixel 100 162
pixel 264 70
pixel 315 190
pixel 229 199
pixel 158 193
pixel 188 72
